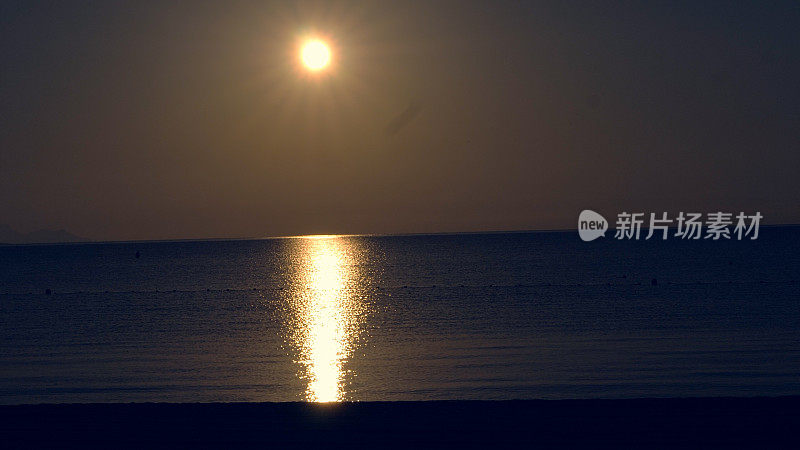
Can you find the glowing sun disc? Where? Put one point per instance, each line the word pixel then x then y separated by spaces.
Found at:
pixel 316 55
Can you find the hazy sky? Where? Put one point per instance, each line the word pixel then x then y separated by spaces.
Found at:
pixel 155 120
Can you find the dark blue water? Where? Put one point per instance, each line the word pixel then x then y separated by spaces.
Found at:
pixel 479 316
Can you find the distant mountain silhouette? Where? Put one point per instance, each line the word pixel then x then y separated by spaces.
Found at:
pixel 10 236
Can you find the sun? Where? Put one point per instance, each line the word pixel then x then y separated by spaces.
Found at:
pixel 315 55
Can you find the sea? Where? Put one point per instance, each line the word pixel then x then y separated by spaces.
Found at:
pixel 495 316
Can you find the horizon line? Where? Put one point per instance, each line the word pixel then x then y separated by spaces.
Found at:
pixel 334 235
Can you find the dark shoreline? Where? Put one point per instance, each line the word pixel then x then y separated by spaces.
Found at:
pixel 695 422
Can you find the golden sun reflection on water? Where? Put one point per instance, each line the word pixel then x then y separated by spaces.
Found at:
pixel 326 316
